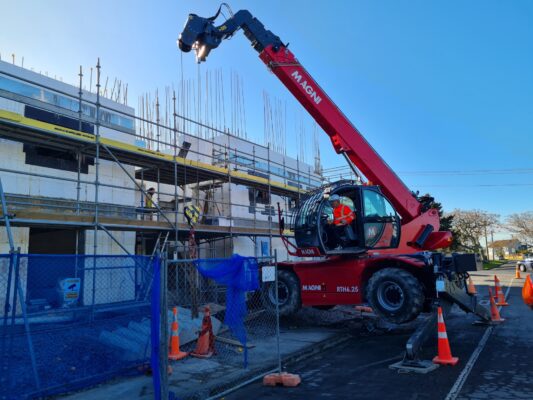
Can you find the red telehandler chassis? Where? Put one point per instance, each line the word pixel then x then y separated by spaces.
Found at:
pixel 392 267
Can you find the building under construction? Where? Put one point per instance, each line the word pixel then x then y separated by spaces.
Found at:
pixel 86 174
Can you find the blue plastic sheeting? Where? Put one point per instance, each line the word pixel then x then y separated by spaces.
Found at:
pixel 86 319
pixel 240 275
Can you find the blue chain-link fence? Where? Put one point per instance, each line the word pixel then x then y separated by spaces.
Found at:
pixel 71 321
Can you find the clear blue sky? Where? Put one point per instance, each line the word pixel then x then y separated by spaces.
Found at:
pixel 433 85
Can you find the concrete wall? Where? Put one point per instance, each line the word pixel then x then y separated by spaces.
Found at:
pixel 20 238
pixel 111 285
pixel 246 247
pixel 12 157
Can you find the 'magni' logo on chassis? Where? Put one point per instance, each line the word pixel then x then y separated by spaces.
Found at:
pixel 308 88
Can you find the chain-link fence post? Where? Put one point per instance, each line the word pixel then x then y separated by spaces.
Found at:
pixel 163 344
pixel 277 308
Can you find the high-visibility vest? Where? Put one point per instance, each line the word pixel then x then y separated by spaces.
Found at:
pixel 343 214
pixel 149 201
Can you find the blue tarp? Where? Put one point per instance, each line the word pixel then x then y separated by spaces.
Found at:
pixel 240 275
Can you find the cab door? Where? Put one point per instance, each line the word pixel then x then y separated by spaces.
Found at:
pixel 381 223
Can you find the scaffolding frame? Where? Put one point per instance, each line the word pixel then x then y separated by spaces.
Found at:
pixel 165 165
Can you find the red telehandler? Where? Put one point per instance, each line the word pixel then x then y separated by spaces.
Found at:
pixel 387 257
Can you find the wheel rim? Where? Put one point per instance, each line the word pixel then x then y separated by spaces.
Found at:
pixel 283 293
pixel 390 296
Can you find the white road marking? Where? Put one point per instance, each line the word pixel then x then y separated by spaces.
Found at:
pixel 461 379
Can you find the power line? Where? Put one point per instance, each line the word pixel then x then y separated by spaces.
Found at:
pixel 480 185
pixel 449 172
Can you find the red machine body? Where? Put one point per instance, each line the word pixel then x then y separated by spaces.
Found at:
pixel 338 280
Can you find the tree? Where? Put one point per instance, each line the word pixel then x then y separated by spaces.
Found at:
pixel 446 220
pixel 470 226
pixel 521 224
pixel 429 202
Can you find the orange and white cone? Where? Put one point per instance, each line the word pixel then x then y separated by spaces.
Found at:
pixel 471 288
pixel 175 353
pixel 494 313
pixel 517 273
pixel 499 296
pixel 527 291
pixel 445 354
pixel 205 347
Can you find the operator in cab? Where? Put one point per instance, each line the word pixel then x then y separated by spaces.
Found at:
pixel 343 215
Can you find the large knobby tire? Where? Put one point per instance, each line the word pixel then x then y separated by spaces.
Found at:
pixel 289 295
pixel 395 295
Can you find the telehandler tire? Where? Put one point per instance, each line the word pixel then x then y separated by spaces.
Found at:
pixel 395 295
pixel 288 296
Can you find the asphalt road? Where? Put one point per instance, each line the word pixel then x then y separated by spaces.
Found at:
pixel 495 363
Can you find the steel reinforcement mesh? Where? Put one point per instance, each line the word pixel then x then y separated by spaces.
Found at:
pixel 72 321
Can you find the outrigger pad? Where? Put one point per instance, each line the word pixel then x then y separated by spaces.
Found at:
pixel 418 366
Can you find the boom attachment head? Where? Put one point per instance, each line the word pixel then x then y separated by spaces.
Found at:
pixel 201 35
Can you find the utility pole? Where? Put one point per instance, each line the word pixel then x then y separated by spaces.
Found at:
pixel 492 242
pixel 486 243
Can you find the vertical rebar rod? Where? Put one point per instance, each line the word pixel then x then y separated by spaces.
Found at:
pixel 269 203
pixel 158 134
pixel 298 178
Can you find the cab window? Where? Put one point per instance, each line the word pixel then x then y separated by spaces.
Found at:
pixel 376 205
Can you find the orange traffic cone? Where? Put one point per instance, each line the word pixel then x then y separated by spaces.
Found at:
pixel 497 287
pixel 471 288
pixel 494 313
pixel 499 296
pixel 517 273
pixel 205 347
pixel 527 291
pixel 445 354
pixel 175 353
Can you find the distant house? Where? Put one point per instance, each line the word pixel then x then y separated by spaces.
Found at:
pixel 505 248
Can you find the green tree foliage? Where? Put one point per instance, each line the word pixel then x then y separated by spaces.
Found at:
pixel 446 220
